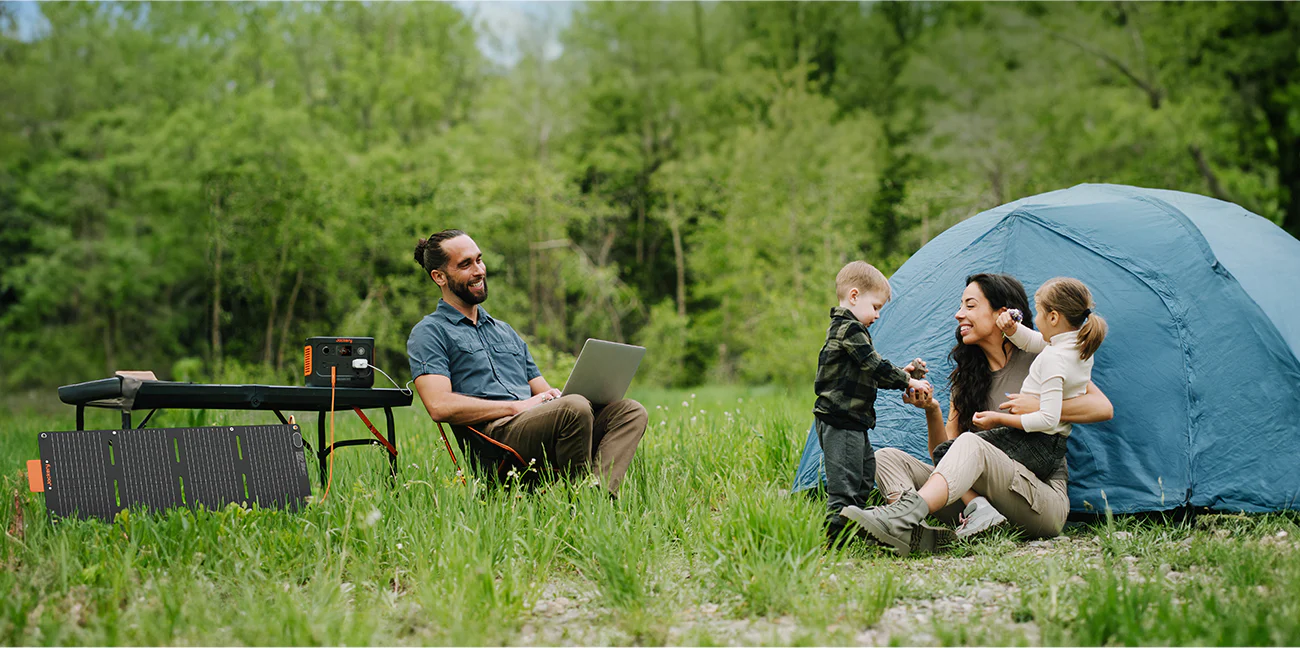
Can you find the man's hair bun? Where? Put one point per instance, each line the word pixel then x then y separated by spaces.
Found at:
pixel 419 251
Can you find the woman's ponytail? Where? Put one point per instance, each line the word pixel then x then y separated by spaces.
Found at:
pixel 1091 334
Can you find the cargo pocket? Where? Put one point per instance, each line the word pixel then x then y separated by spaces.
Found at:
pixel 1023 484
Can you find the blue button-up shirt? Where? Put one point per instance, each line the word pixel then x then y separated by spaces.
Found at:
pixel 488 360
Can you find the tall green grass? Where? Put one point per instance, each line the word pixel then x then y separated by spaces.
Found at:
pixel 703 540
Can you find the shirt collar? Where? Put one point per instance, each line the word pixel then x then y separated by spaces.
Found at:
pixel 1068 338
pixel 839 312
pixel 449 313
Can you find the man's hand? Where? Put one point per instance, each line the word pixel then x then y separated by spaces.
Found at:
pixel 1020 404
pixel 916 369
pixel 987 420
pixel 545 397
pixel 1007 323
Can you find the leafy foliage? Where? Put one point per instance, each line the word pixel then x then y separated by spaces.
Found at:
pixel 211 183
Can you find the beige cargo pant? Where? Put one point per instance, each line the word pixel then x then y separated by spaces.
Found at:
pixel 1037 507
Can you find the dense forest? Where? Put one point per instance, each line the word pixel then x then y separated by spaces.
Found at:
pixel 196 188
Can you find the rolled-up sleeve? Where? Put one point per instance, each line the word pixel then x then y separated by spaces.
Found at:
pixel 426 350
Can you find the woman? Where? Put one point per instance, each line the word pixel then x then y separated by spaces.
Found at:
pixel 988 370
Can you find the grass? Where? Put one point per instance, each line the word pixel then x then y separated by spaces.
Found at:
pixel 704 547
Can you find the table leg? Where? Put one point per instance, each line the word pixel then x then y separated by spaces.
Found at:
pixel 81 417
pixel 126 420
pixel 324 450
pixel 392 439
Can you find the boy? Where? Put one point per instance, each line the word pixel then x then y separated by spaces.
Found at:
pixel 848 373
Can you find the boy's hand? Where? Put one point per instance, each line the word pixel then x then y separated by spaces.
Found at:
pixel 986 420
pixel 915 387
pixel 1007 323
pixel 916 369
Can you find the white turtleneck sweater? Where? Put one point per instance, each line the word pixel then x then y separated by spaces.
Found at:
pixel 1056 374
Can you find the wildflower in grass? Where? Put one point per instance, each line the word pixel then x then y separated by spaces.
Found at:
pixel 692 395
pixel 685 404
pixel 703 412
pixel 692 419
pixel 373 517
pixel 399 545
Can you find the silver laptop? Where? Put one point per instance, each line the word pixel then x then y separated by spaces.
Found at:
pixel 604 371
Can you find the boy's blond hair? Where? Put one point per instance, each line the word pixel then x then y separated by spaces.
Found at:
pixel 863 276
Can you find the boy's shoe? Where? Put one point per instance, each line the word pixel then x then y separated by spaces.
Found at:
pixel 897 525
pixel 839 533
pixel 979 516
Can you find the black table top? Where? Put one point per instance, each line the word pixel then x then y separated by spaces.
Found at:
pixel 160 394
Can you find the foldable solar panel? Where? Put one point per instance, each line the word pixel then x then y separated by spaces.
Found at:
pixel 96 473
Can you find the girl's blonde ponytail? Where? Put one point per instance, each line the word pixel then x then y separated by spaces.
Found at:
pixel 1091 334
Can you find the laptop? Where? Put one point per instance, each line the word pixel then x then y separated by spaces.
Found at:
pixel 604 371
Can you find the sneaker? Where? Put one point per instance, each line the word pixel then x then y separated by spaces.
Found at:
pixel 979 516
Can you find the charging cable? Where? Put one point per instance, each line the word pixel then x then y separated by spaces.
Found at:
pixel 362 363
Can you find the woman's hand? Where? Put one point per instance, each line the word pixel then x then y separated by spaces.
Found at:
pixel 987 420
pixel 920 399
pixel 1020 404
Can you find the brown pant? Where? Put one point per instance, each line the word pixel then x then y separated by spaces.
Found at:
pixel 1038 507
pixel 568 434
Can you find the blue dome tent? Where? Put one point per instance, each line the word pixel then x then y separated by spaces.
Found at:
pixel 1202 362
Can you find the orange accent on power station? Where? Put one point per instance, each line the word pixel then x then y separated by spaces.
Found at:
pixel 34 479
pixel 306 360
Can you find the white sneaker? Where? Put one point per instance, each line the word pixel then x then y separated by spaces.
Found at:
pixel 979 516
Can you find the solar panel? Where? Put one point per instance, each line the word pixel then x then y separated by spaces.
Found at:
pixel 96 473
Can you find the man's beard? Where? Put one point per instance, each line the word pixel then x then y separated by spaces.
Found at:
pixel 462 291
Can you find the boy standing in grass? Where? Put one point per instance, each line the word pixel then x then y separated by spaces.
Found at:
pixel 849 371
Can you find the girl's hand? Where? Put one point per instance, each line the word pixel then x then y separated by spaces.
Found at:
pixel 1020 404
pixel 986 420
pixel 1007 323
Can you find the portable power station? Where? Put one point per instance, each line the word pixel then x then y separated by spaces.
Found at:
pixel 319 354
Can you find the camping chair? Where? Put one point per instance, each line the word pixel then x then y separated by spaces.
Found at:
pixel 479 449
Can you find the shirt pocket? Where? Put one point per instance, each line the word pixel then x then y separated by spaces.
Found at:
pixel 469 345
pixel 507 349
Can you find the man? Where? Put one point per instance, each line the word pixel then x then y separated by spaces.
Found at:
pixel 474 372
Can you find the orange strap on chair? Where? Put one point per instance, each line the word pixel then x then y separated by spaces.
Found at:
pixel 485 438
pixel 386 444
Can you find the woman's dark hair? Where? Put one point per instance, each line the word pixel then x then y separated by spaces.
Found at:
pixel 429 253
pixel 971 376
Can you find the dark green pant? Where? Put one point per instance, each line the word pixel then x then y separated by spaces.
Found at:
pixel 850 468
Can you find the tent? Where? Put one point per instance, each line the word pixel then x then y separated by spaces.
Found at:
pixel 1201 361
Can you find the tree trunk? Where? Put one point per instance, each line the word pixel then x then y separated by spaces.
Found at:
pixel 679 255
pixel 216 304
pixel 700 43
pixel 269 345
pixel 288 319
